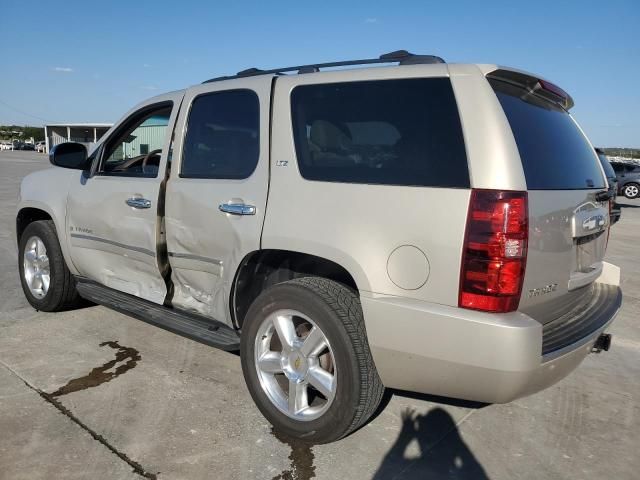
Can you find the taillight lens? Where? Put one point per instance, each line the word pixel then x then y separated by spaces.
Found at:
pixel 495 251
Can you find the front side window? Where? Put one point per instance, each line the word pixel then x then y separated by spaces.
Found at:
pixel 135 149
pixel 222 139
pixel 387 132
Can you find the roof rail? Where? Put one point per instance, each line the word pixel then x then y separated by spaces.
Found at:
pixel 402 57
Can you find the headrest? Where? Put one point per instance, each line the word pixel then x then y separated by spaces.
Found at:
pixel 327 136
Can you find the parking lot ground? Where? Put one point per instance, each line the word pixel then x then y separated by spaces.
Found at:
pixel 178 409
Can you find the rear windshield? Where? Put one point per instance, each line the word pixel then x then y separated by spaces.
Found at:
pixel 392 132
pixel 555 154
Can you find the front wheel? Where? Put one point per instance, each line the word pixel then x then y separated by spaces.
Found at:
pixel 306 360
pixel 631 190
pixel 46 280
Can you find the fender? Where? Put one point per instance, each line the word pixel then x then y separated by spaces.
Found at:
pixel 47 190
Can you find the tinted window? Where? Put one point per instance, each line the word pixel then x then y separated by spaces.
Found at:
pixel 222 138
pixel 394 132
pixel 555 154
pixel 618 167
pixel 606 166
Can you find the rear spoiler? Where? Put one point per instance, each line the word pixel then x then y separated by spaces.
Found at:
pixel 534 85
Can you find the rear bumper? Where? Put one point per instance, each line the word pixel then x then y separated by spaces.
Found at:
pixel 452 352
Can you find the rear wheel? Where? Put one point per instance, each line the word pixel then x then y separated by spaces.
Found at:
pixel 631 190
pixel 306 360
pixel 45 278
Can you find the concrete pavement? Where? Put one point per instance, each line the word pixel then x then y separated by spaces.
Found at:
pixel 92 393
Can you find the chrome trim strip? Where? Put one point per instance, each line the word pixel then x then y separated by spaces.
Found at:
pixel 112 242
pixel 188 256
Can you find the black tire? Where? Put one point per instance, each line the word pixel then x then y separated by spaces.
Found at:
pixel 631 195
pixel 62 293
pixel 336 310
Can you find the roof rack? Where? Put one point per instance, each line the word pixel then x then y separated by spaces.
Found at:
pixel 402 57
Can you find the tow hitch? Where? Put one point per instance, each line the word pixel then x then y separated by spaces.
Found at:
pixel 602 343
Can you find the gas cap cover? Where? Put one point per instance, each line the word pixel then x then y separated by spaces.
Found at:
pixel 408 267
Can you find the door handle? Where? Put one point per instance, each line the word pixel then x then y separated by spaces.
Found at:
pixel 237 209
pixel 137 202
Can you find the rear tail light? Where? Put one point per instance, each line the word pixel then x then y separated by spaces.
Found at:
pixel 495 251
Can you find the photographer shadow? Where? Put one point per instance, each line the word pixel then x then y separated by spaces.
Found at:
pixel 443 453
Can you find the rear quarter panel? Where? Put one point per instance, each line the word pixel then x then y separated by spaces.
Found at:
pixel 358 226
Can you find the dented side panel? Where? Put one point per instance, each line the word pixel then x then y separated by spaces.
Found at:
pixel 206 245
pixel 113 243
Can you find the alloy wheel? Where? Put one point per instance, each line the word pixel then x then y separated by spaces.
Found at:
pixel 36 267
pixel 295 365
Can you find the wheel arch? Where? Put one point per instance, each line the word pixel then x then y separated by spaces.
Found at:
pixel 27 215
pixel 261 269
pixel 29 212
pixel 47 191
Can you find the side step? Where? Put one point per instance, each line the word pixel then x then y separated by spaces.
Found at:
pixel 193 326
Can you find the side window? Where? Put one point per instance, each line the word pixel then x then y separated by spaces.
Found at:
pixel 135 149
pixel 617 167
pixel 386 132
pixel 222 139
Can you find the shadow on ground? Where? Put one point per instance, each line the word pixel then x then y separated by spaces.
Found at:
pixel 626 205
pixel 441 452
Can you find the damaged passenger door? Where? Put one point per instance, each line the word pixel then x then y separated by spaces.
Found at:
pixel 113 216
pixel 217 191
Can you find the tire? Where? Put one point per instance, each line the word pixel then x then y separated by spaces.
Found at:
pixel 61 293
pixel 357 388
pixel 631 190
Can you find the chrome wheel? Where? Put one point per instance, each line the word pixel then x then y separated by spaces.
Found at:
pixel 631 191
pixel 36 267
pixel 295 365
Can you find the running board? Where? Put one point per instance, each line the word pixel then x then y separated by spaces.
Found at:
pixel 193 326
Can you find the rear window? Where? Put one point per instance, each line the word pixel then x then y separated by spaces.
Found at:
pixel 555 154
pixel 390 132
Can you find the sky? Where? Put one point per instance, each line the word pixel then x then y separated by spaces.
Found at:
pixel 75 61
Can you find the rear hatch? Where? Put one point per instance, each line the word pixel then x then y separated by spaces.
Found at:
pixel 568 223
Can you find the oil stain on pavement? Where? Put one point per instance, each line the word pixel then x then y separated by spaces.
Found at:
pixel 301 456
pixel 126 359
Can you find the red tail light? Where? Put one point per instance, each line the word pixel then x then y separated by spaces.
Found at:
pixel 495 251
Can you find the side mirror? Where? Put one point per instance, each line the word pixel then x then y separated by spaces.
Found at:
pixel 69 155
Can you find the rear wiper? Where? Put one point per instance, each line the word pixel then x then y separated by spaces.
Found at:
pixel 604 195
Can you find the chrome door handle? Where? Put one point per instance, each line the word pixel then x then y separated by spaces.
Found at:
pixel 137 202
pixel 237 209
